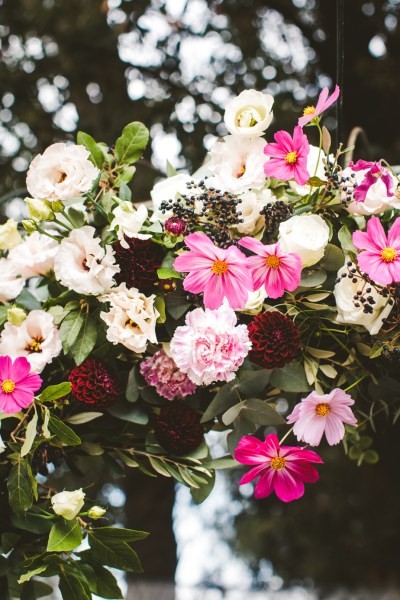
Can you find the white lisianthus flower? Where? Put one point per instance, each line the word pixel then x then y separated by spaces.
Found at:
pixel 9 235
pixel 61 172
pixel 237 164
pixel 81 263
pixel 39 210
pixel 11 283
pixel 128 221
pixel 251 203
pixel 249 114
pixel 347 312
pixel 68 504
pixel 306 235
pixel 35 255
pixel 255 302
pixel 168 189
pixel 36 338
pixel 131 319
pixel 376 200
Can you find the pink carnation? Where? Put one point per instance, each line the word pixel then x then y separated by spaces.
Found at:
pixel 161 371
pixel 17 384
pixel 210 347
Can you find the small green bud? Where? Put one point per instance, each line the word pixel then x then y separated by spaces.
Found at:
pixel 96 512
pixel 39 210
pixel 29 225
pixel 16 315
pixel 57 206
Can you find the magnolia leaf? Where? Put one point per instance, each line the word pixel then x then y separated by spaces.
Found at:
pixel 73 587
pixel 63 432
pixel 96 155
pixel 114 553
pixel 30 435
pixel 83 417
pixel 54 392
pixel 326 140
pixel 130 145
pixel 70 328
pixel 27 576
pixel 20 488
pixel 121 534
pixel 64 536
pixel 328 370
pixel 86 340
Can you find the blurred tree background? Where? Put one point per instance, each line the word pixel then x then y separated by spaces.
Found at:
pixel 94 65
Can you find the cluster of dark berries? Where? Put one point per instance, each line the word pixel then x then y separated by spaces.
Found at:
pixel 46 454
pixel 213 210
pixel 346 186
pixel 274 214
pixel 363 295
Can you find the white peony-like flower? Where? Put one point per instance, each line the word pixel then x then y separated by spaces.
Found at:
pixel 81 263
pixel 9 235
pixel 128 221
pixel 237 164
pixel 168 189
pixel 61 172
pixel 376 200
pixel 250 206
pixel 37 338
pixel 35 255
pixel 11 283
pixel 68 504
pixel 255 302
pixel 249 114
pixel 347 312
pixel 306 235
pixel 132 318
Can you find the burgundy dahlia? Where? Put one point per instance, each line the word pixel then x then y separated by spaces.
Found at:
pixel 177 428
pixel 138 263
pixel 93 384
pixel 175 226
pixel 275 339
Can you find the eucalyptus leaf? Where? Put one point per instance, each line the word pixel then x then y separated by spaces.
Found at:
pixel 126 412
pixel 223 399
pixel 132 387
pixel 232 413
pixel 261 413
pixel 83 417
pixel 314 278
pixel 30 435
pixel 290 378
pixel 333 258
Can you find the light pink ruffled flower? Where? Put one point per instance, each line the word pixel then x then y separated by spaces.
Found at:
pixel 276 270
pixel 317 415
pixel 324 102
pixel 282 469
pixel 288 157
pixel 210 346
pixel 170 382
pixel 219 273
pixel 380 256
pixel 17 384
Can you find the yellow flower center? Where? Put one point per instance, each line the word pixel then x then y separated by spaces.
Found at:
pixel 35 345
pixel 309 110
pixel 272 261
pixel 8 386
pixel 388 255
pixel 291 157
pixel 278 463
pixel 219 267
pixel 322 410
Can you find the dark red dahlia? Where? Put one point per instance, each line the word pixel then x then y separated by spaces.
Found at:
pixel 275 339
pixel 138 263
pixel 177 428
pixel 175 226
pixel 93 384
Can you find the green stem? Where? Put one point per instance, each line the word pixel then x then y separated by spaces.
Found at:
pixel 42 231
pixel 285 436
pixel 356 382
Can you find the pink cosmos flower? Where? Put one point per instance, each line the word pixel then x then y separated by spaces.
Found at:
pixel 375 172
pixel 219 273
pixel 289 157
pixel 380 256
pixel 161 371
pixel 17 384
pixel 282 469
pixel 318 414
pixel 276 270
pixel 310 112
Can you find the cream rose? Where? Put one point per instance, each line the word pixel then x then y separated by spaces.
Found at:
pixel 306 235
pixel 250 206
pixel 9 235
pixel 68 504
pixel 61 172
pixel 249 114
pixel 11 283
pixel 128 221
pixel 255 302
pixel 348 312
pixel 35 255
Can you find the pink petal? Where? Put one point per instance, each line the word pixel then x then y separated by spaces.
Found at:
pixel 265 485
pixel 362 241
pixel 394 235
pixel 284 140
pixel 304 472
pixel 253 245
pixel 334 429
pixel 288 487
pixel 376 232
pixel 250 451
pixel 5 367
pixel 189 261
pixel 200 243
pixel 20 369
pixel 252 474
pixel 214 292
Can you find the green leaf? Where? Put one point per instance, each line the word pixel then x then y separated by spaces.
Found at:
pixel 54 392
pixel 224 462
pixel 45 425
pixel 126 412
pixel 8 541
pixel 121 534
pixel 326 140
pixel 371 457
pixel 201 493
pixel 83 417
pixel 252 383
pixel 64 536
pixel 132 388
pixel 333 258
pixel 63 432
pixel 176 307
pixel 20 488
pixel 261 413
pixel 290 378
pixel 96 155
pixel 316 182
pixel 130 145
pixel 313 278
pixel 86 341
pixel 224 399
pixel 158 466
pixel 27 576
pixel 72 587
pixel 70 328
pixel 159 304
pixel 77 216
pixel 167 273
pixel 346 240
pixel 124 175
pixel 115 554
pixel 104 584
pixel 30 435
pixel 171 171
pixel 232 413
pixel 91 448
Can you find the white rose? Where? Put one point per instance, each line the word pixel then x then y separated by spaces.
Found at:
pixel 306 235
pixel 348 312
pixel 81 263
pixel 68 504
pixel 9 235
pixel 237 164
pixel 35 255
pixel 11 283
pixel 132 318
pixel 250 206
pixel 128 221
pixel 36 338
pixel 376 200
pixel 249 114
pixel 255 302
pixel 61 172
pixel 168 189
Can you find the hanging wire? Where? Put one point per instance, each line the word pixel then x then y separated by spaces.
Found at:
pixel 339 67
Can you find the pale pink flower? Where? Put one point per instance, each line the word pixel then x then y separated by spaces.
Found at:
pixel 282 469
pixel 160 370
pixel 17 384
pixel 219 273
pixel 380 255
pixel 34 256
pixel 317 415
pixel 272 267
pixel 324 102
pixel 210 346
pixel 288 157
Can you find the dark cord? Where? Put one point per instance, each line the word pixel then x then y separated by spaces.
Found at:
pixel 339 67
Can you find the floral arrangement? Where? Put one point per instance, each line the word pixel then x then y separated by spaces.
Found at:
pixel 265 283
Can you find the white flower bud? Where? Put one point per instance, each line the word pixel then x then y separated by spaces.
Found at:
pixel 39 210
pixel 96 512
pixel 249 113
pixel 9 236
pixel 16 315
pixel 68 504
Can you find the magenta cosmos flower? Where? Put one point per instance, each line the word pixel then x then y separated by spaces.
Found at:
pixel 219 273
pixel 17 384
pixel 282 469
pixel 324 102
pixel 375 172
pixel 380 255
pixel 276 270
pixel 288 157
pixel 318 414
